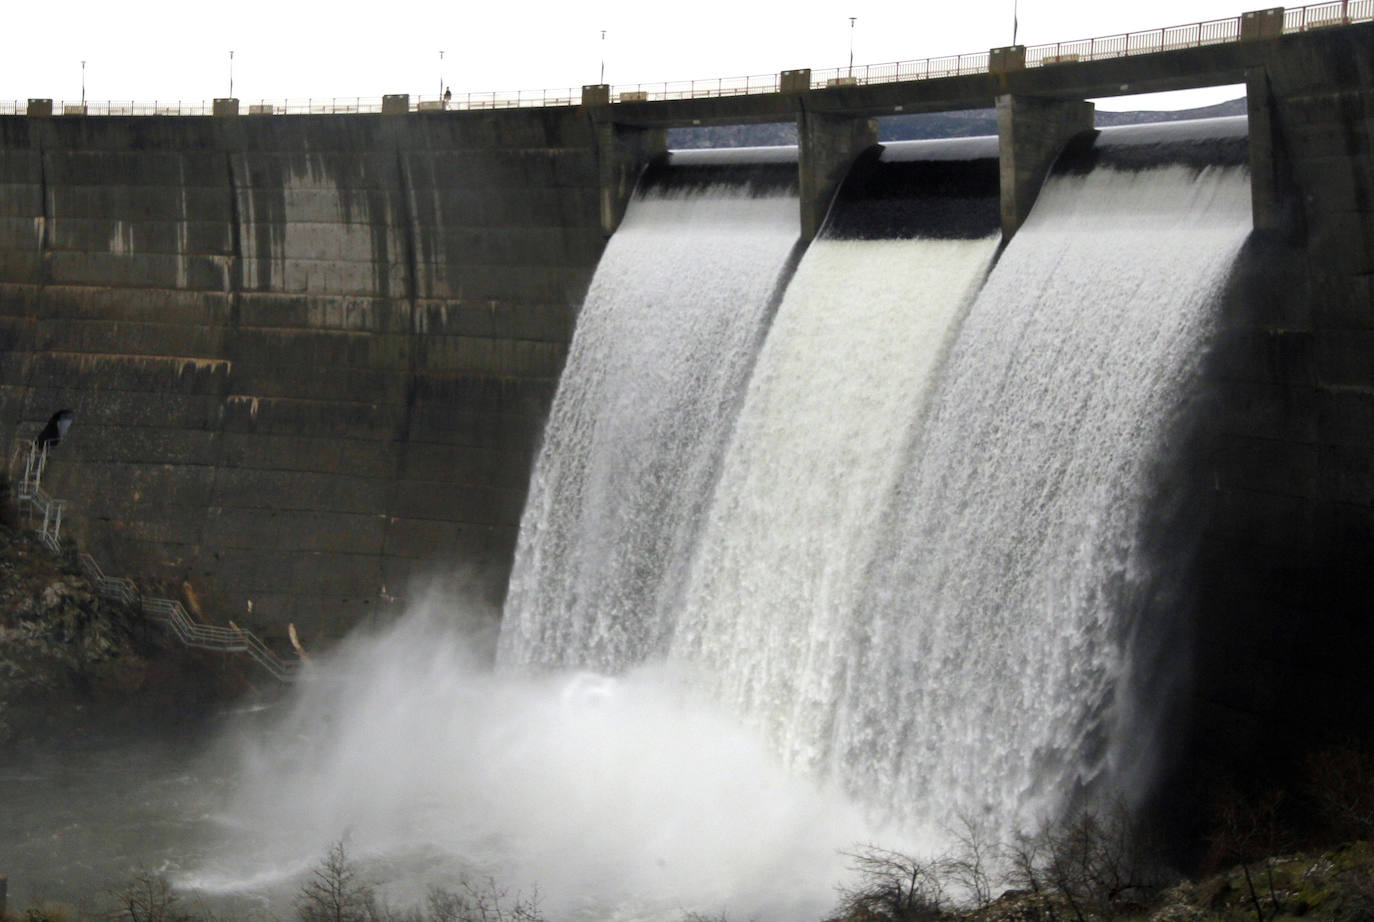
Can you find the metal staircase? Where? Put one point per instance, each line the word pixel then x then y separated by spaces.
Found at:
pixel 33 501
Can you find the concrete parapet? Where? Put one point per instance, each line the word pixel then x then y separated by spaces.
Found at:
pixel 396 104
pixel 1004 60
pixel 795 81
pixel 224 108
pixel 260 109
pixel 596 94
pixel 39 108
pixel 1031 134
pixel 1259 24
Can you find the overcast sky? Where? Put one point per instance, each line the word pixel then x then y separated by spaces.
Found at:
pixel 172 50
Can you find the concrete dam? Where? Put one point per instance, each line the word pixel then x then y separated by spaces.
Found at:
pixel 972 476
pixel 311 358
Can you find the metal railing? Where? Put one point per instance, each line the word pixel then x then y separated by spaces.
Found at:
pixel 1125 44
pixel 32 500
pixel 1321 15
pixel 209 637
pixel 173 615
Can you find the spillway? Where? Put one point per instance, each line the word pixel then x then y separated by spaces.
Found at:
pixel 664 345
pixel 918 567
pixel 839 388
pixel 991 669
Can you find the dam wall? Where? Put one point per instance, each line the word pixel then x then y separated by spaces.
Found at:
pixel 309 358
pixel 1287 564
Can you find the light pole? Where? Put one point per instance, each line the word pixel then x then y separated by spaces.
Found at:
pixel 231 74
pixel 441 74
pixel 603 57
pixel 1014 22
pixel 851 44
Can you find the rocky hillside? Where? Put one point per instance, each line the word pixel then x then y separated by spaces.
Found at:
pixel 75 667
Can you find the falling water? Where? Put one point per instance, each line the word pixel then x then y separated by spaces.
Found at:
pixel 663 347
pixel 987 667
pixel 839 385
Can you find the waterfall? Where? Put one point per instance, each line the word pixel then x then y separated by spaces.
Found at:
pixel 989 671
pixel 838 388
pixel 664 344
pixel 921 571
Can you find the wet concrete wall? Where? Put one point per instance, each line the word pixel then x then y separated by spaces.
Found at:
pixel 1285 635
pixel 309 357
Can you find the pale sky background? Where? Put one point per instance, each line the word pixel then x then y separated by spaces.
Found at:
pixel 172 50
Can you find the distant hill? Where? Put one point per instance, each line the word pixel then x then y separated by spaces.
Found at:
pixel 960 124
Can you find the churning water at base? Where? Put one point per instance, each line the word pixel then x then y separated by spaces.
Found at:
pixel 663 348
pixel 988 667
pixel 617 798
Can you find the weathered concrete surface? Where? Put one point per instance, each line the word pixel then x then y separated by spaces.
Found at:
pixel 1032 133
pixel 1287 563
pixel 309 357
pixel 828 145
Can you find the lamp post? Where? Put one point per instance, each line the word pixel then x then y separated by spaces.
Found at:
pixel 851 44
pixel 603 57
pixel 1014 22
pixel 83 86
pixel 441 74
pixel 231 74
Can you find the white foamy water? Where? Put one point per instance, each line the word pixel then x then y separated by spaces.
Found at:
pixel 662 349
pixel 838 388
pixel 992 647
pixel 618 798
